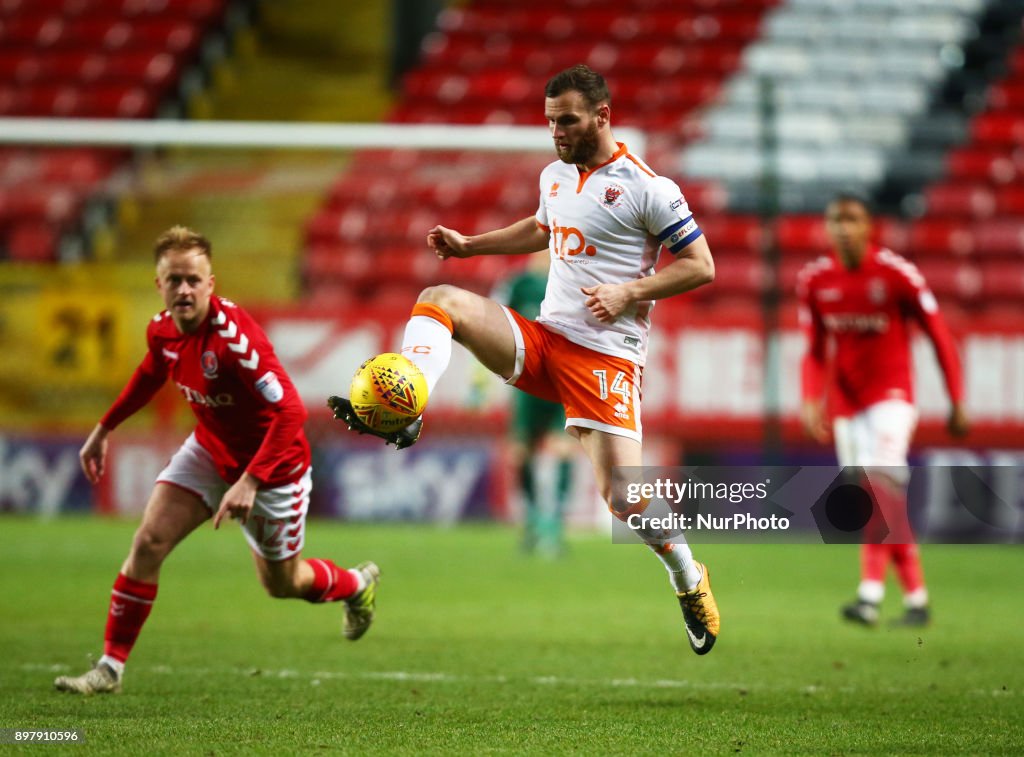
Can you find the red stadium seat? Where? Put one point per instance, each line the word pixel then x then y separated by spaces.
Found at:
pixel 31 32
pixel 937 236
pixel 38 204
pixel 336 297
pixel 742 274
pixel 673 58
pixel 704 197
pixel 663 59
pixel 1000 237
pixel 155 70
pixel 892 233
pixel 801 234
pixel 1010 201
pixel 32 242
pixel 1016 63
pixel 86 102
pixel 951 278
pixel 960 200
pixel 790 267
pixel 1006 95
pixel 201 11
pixel 76 168
pixel 1003 281
pixel 732 233
pixel 976 164
pixel 998 129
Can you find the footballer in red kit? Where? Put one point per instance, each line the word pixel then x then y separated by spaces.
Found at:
pixel 247 459
pixel 858 308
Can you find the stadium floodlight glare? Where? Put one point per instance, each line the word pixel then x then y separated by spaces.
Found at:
pixel 269 134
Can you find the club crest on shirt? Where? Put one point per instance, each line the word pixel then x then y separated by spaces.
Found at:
pixel 208 362
pixel 612 197
pixel 877 291
pixel 554 190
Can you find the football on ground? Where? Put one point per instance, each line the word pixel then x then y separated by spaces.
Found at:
pixel 388 392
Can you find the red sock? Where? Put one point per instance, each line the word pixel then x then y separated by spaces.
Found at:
pixel 330 583
pixel 130 603
pixel 873 559
pixel 908 566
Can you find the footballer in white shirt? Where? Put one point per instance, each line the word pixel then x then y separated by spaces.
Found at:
pixel 604 216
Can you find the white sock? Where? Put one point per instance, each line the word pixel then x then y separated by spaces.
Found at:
pixel 428 343
pixel 116 665
pixel 916 599
pixel 871 591
pixel 683 571
pixel 360 581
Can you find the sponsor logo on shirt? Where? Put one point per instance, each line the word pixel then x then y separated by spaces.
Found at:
pixel 170 354
pixel 270 387
pixel 631 340
pixel 856 322
pixel 207 400
pixel 612 197
pixel 569 241
pixel 832 294
pixel 208 362
pixel 676 204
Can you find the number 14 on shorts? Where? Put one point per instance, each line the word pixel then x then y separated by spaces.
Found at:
pixel 620 386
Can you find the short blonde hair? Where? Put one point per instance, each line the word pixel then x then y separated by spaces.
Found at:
pixel 181 238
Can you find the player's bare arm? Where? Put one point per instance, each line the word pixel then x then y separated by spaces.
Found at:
pixel 693 267
pixel 521 237
pixel 237 501
pixel 958 425
pixel 93 455
pixel 812 417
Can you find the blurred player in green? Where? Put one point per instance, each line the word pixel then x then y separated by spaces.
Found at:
pixel 538 425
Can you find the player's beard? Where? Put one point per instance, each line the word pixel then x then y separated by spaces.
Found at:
pixel 584 150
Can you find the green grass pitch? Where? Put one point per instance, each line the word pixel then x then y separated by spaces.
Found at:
pixel 477 649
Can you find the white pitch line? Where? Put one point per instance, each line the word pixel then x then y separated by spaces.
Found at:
pixel 405 676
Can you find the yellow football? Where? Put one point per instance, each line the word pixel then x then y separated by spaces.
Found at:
pixel 388 392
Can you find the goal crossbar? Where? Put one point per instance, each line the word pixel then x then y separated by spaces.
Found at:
pixel 66 132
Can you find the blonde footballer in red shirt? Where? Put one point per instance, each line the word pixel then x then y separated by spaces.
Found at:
pixel 603 215
pixel 248 458
pixel 858 306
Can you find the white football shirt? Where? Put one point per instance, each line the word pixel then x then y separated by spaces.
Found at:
pixel 607 226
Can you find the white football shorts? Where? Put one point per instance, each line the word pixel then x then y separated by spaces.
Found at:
pixel 878 436
pixel 276 527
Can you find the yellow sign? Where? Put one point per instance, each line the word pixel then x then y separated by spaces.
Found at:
pixel 82 338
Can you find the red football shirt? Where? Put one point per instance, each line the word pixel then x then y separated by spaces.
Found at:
pixel 250 416
pixel 863 317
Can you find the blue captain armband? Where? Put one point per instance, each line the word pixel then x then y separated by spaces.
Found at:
pixel 679 235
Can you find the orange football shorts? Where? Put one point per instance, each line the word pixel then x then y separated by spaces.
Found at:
pixel 598 391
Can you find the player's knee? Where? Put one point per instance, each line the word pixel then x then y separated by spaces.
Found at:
pixel 150 547
pixel 447 297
